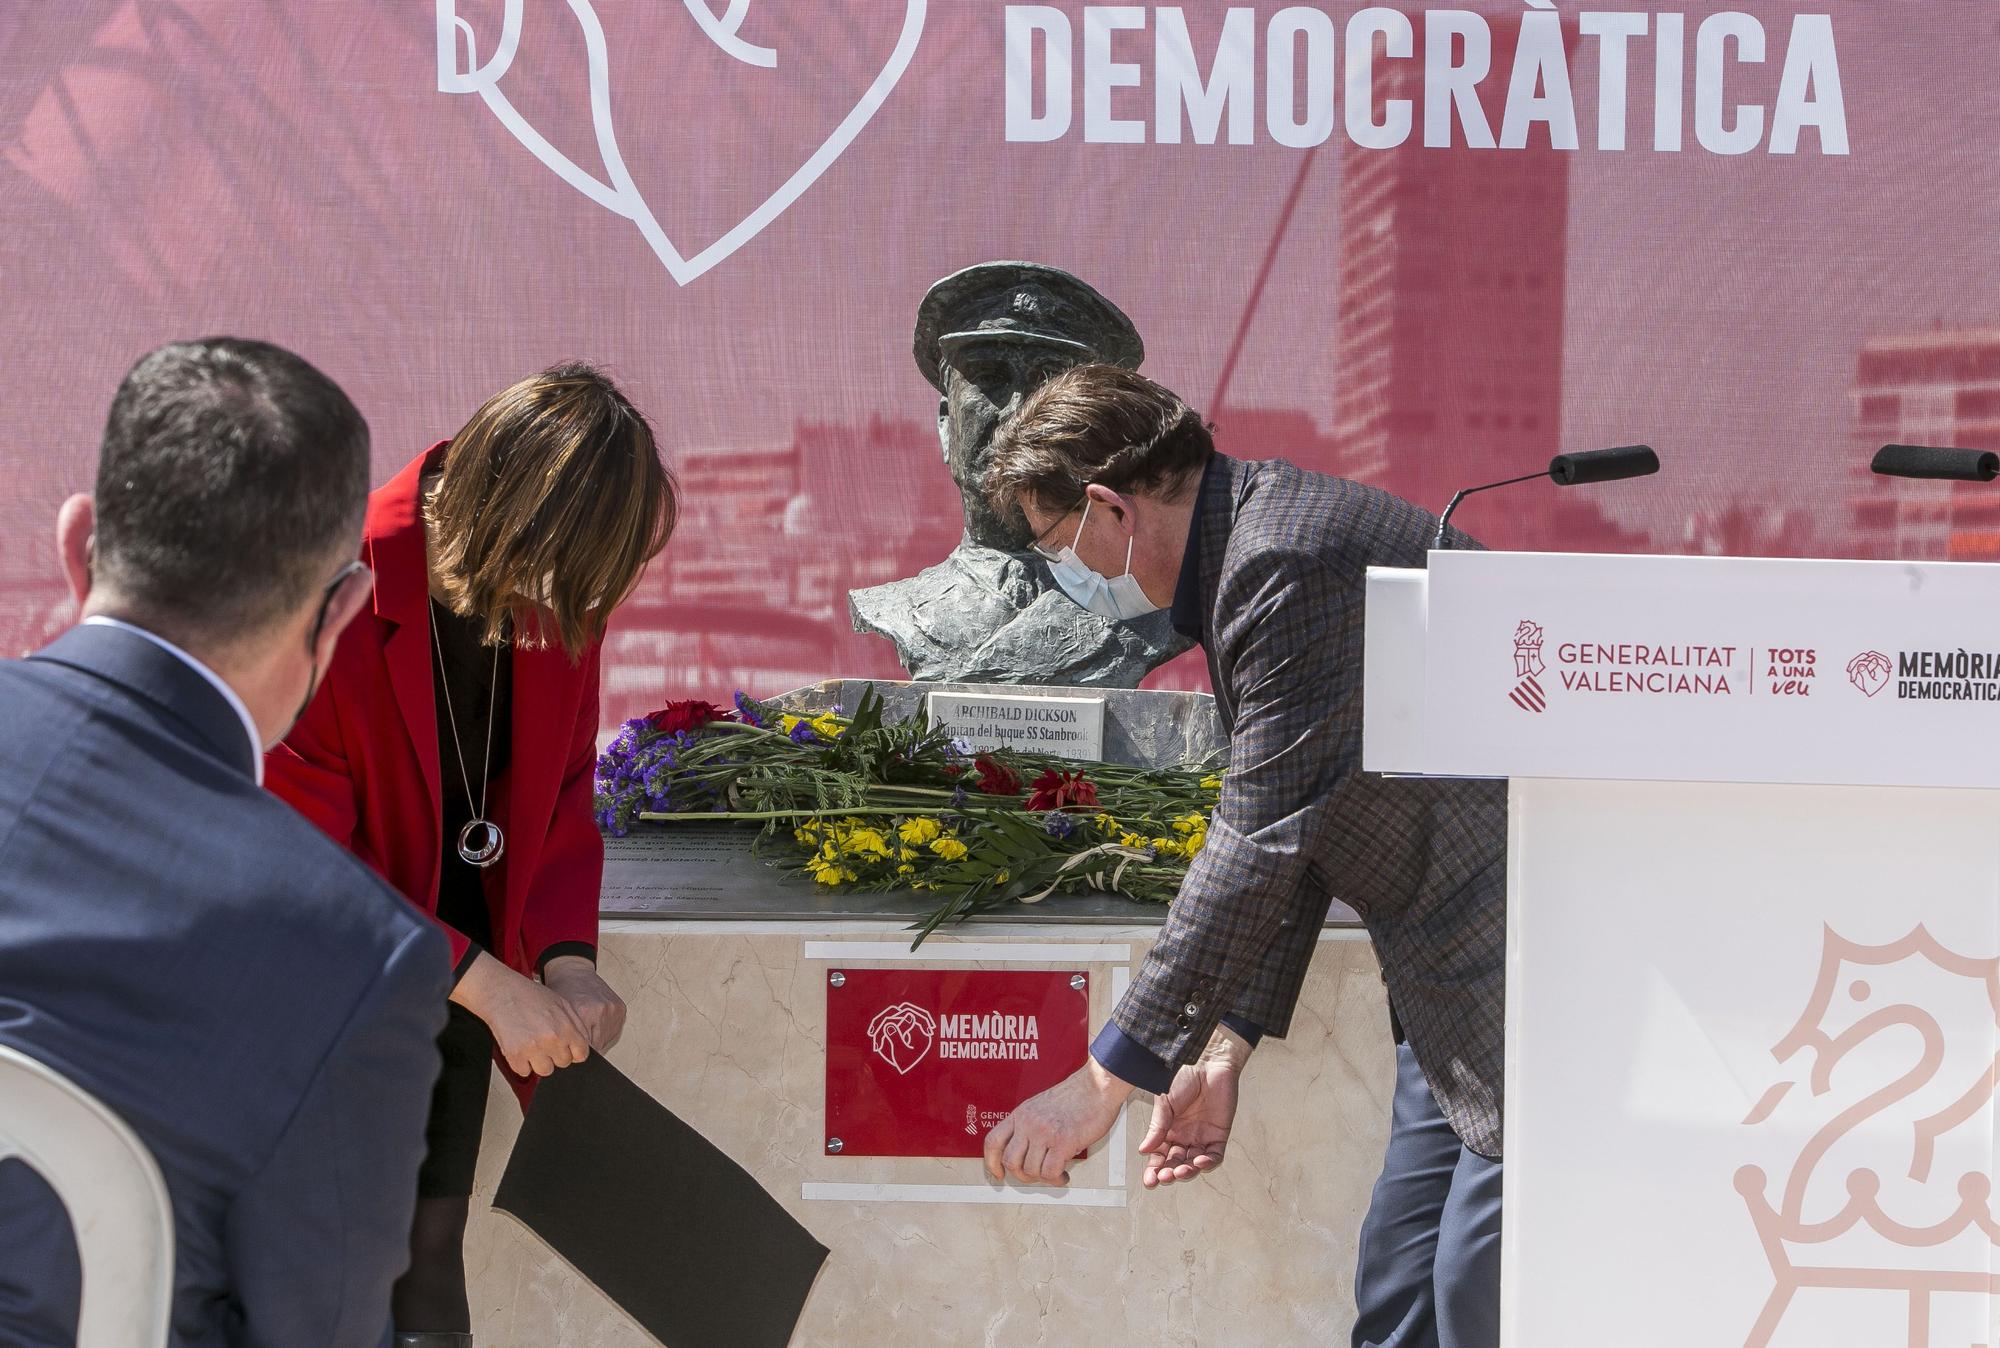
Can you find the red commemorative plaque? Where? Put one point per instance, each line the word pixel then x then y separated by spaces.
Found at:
pixel 923 1062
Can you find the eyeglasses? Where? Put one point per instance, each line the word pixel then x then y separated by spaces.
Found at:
pixel 1035 545
pixel 341 577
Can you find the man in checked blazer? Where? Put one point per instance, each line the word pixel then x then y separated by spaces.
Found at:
pixel 1265 565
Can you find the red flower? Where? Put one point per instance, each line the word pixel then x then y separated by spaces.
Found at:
pixel 693 714
pixel 1063 791
pixel 996 779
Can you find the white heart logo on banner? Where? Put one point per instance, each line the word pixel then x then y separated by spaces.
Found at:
pixel 621 194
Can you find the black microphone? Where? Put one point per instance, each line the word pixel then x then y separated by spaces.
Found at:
pixel 1933 461
pixel 1572 470
pixel 1604 465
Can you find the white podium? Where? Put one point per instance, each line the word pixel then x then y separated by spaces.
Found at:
pixel 1753 979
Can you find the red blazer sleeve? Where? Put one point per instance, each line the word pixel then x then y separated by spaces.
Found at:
pixel 310 771
pixel 563 898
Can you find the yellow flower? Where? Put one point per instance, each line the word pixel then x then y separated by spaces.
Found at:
pixel 1192 847
pixel 1106 822
pixel 788 724
pixel 1132 840
pixel 906 869
pixel 1166 847
pixel 867 842
pixel 917 832
pixel 825 727
pixel 1211 783
pixel 951 849
pixel 1000 879
pixel 907 854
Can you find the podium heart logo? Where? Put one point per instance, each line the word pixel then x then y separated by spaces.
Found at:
pixel 616 190
pixel 902 1035
pixel 1869 671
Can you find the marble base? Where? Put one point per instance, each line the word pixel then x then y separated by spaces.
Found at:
pixel 726 1028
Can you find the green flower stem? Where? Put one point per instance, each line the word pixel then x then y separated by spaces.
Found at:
pixel 753 816
pixel 759 816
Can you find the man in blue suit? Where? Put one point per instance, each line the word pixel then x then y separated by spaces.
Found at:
pixel 249 998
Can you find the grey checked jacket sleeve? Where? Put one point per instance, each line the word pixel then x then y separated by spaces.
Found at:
pixel 1241 933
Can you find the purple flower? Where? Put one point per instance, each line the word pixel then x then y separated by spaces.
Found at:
pixel 1058 824
pixel 748 711
pixel 803 734
pixel 962 748
pixel 958 799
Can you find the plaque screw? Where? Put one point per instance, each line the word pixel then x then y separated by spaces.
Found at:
pixel 839 980
pixel 834 1144
pixel 1078 981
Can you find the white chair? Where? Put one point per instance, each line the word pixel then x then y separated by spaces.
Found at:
pixel 118 1204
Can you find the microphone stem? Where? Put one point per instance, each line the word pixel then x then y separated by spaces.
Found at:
pixel 1444 519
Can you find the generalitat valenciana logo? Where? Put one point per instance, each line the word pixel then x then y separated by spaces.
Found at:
pixel 1528 667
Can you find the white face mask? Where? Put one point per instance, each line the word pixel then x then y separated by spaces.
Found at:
pixel 1118 599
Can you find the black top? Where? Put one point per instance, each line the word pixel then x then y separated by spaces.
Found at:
pixel 1187 614
pixel 464 665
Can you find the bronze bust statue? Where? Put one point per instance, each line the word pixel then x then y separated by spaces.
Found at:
pixel 990 612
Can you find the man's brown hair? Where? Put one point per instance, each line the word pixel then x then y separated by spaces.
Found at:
pixel 551 502
pixel 1096 424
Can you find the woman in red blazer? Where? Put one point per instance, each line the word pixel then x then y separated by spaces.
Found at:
pixel 453 746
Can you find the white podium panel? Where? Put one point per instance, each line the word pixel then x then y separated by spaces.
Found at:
pixel 1707 668
pixel 1751 1042
pixel 1753 906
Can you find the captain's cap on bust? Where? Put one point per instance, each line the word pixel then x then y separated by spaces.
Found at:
pixel 1021 302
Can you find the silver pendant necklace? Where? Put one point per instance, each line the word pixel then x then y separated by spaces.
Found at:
pixel 480 842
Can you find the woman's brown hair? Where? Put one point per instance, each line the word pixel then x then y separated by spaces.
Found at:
pixel 551 502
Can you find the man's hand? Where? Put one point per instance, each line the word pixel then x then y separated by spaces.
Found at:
pixel 1034 1144
pixel 1191 1122
pixel 533 1026
pixel 598 1009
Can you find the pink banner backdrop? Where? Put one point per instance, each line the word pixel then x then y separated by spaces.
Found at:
pixel 1419 246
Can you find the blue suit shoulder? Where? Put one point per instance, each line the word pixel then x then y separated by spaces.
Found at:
pixel 257 1005
pixel 107 794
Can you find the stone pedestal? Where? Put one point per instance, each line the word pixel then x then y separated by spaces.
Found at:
pixel 727 1029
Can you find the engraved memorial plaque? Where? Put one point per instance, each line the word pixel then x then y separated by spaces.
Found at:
pixel 1067 727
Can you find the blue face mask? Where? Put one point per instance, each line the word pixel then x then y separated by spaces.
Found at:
pixel 1117 598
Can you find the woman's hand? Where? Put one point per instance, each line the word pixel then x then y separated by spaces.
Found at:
pixel 598 1009
pixel 535 1027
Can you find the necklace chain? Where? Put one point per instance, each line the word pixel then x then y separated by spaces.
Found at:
pixel 486 769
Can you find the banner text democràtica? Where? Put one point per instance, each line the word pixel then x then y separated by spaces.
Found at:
pixel 1317 76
